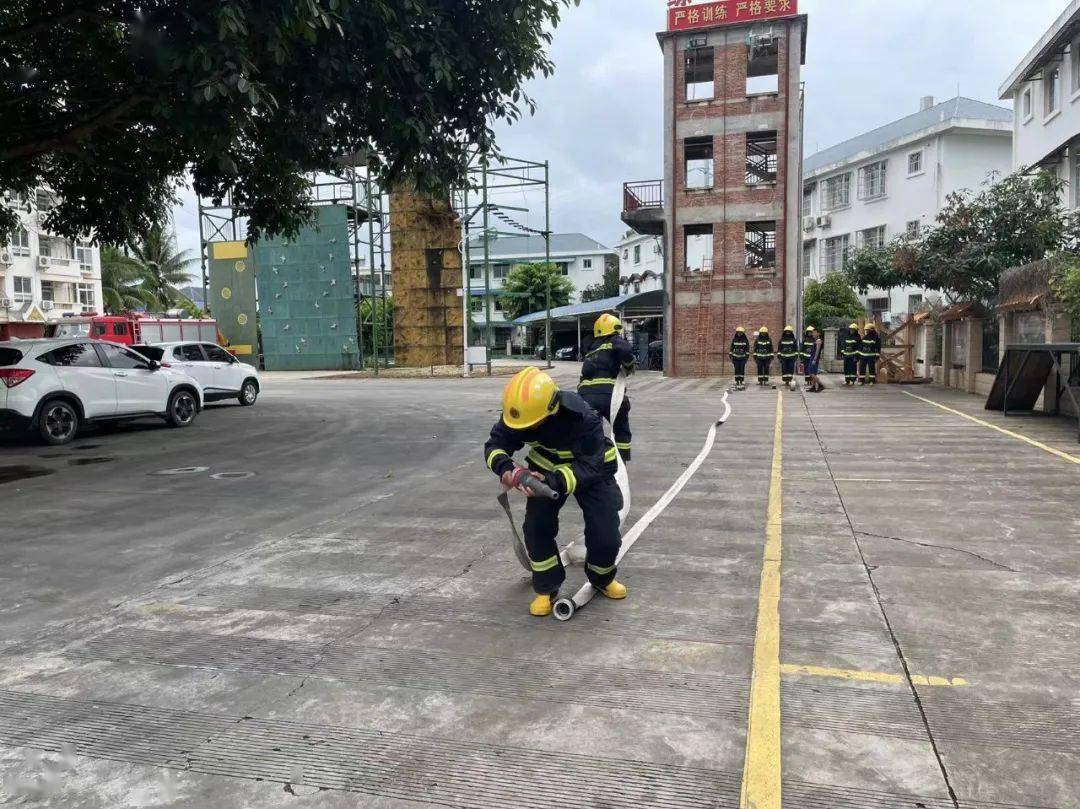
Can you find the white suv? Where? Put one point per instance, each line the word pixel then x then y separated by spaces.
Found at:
pixel 221 375
pixel 53 386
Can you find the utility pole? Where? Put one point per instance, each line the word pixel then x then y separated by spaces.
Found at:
pixel 547 262
pixel 487 269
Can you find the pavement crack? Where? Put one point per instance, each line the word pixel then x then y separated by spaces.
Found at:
pixel 884 613
pixel 940 547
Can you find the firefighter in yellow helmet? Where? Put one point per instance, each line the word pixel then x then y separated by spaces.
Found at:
pixel 849 349
pixel 570 454
pixel 763 355
pixel 609 353
pixel 740 353
pixel 788 351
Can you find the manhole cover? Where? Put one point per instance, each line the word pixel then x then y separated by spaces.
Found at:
pixel 183 470
pixel 232 475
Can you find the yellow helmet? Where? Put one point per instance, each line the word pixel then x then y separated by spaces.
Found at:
pixel 740 330
pixel 529 398
pixel 763 330
pixel 854 326
pixel 789 328
pixel 606 325
pixel 810 328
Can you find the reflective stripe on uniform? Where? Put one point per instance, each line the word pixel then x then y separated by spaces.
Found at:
pixel 495 453
pixel 622 445
pixel 538 459
pixel 611 455
pixel 562 453
pixel 545 565
pixel 598 349
pixel 600 571
pixel 569 477
pixel 600 380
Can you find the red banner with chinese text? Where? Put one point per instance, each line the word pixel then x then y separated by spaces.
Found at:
pixel 729 12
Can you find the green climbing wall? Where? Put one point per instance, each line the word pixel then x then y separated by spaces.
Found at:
pixel 232 297
pixel 307 308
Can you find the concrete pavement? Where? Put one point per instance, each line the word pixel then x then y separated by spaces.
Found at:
pixel 347 626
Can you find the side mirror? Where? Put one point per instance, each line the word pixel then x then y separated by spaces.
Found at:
pixel 154 365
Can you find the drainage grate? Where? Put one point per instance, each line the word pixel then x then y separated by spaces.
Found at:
pixel 391 765
pixel 684 694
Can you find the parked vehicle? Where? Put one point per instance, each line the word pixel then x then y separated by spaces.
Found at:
pixel 135 329
pixel 221 375
pixel 568 353
pixel 54 386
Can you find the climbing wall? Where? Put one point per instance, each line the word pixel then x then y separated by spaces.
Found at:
pixel 307 307
pixel 232 296
pixel 428 317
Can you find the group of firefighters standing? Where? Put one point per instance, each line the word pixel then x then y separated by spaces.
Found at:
pixel 860 353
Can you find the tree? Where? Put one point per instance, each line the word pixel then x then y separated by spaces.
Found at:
pixel 1065 283
pixel 526 287
pixel 976 236
pixel 373 312
pixel 162 267
pixel 121 278
pixel 111 102
pixel 831 300
pixel 608 288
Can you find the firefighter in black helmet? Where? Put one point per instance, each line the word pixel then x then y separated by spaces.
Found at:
pixel 740 353
pixel 763 355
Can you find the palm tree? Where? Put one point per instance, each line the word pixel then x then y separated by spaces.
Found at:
pixel 121 281
pixel 163 267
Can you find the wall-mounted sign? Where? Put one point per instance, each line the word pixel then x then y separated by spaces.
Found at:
pixel 682 17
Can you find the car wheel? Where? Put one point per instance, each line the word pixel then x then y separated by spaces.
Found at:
pixel 58 423
pixel 182 409
pixel 249 392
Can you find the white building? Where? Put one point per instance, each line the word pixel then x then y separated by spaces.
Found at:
pixel 43 276
pixel 893 181
pixel 578 257
pixel 1045 91
pixel 641 262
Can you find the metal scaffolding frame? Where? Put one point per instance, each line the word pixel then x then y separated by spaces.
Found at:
pixel 485 175
pixel 368 230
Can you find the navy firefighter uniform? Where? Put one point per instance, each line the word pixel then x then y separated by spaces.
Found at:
pixel 763 355
pixel 808 355
pixel 869 352
pixel 849 349
pixel 788 351
pixel 610 353
pixel 570 453
pixel 740 353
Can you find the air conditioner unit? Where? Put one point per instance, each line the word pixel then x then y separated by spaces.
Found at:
pixel 5 257
pixel 698 42
pixel 809 223
pixel 43 261
pixel 46 306
pixel 824 221
pixel 5 303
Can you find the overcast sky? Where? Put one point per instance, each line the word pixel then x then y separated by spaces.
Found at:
pixel 868 62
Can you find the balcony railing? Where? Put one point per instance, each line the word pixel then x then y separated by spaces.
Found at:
pixel 643 194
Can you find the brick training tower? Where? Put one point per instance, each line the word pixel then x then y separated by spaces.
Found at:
pixel 729 205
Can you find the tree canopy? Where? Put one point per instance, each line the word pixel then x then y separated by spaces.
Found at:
pixel 526 287
pixel 830 301
pixel 147 274
pixel 111 103
pixel 976 236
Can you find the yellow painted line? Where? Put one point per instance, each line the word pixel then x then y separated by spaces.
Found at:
pixel 871 676
pixel 1063 455
pixel 762 770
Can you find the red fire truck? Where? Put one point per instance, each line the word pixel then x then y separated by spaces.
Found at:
pixel 135 329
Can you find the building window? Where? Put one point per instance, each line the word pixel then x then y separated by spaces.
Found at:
pixel 86 296
pixel 835 255
pixel 699 162
pixel 878 307
pixel 872 180
pixel 1076 179
pixel 54 248
pixel 914 227
pixel 477 304
pixel 47 291
pixel 586 263
pixel 698 247
pixel 874 238
pixel 763 66
pixel 809 248
pixel 1052 90
pixel 20 242
pixel 500 271
pixel 760 158
pixel 1025 103
pixel 637 286
pixel 563 266
pixel 637 253
pixel 914 163
pixel 837 192
pixel 85 254
pixel 626 254
pixel 699 74
pixel 914 303
pixel 760 245
pixel 496 304
pixel 24 289
pixel 807 200
pixel 1074 52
